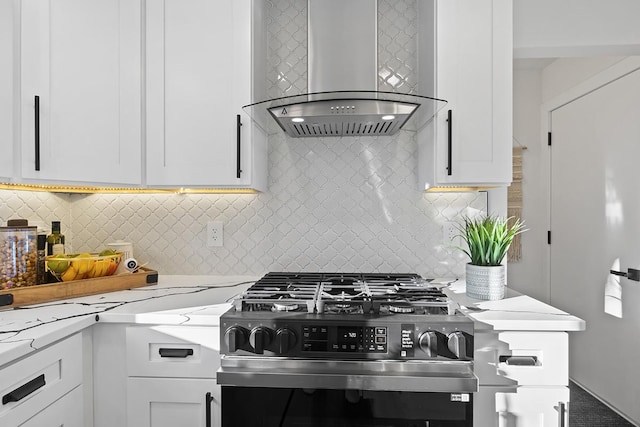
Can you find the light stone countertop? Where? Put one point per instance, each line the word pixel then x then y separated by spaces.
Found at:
pixel 516 312
pixel 199 300
pixel 185 300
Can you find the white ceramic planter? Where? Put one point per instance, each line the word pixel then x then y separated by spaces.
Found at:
pixel 486 282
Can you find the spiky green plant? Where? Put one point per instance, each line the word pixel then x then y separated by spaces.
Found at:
pixel 488 238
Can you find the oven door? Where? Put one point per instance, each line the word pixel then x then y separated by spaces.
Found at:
pixel 301 392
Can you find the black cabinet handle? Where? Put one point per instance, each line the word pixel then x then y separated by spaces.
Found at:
pixel 37 130
pixel 562 413
pixel 239 137
pixel 449 140
pixel 176 352
pixel 24 390
pixel 519 360
pixel 207 408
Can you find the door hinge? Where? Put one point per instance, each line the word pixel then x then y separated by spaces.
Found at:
pixel 549 139
pixel 549 237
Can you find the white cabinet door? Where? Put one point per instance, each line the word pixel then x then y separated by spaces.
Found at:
pixel 65 412
pixel 6 90
pixel 533 407
pixel 81 88
pixel 170 402
pixel 469 142
pixel 198 77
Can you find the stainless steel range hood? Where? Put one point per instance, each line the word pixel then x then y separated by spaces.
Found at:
pixel 342 98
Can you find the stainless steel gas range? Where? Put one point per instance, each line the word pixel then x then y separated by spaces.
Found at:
pixel 346 349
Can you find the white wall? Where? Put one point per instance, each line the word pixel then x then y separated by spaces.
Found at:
pixel 562 28
pixel 528 274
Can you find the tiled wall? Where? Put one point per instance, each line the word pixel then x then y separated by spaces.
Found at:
pixel 342 204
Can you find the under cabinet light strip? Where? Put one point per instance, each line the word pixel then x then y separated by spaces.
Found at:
pixel 123 190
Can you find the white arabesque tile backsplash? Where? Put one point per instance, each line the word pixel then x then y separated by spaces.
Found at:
pixel 341 204
pixel 334 204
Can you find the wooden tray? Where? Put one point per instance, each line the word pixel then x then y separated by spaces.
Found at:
pixel 76 288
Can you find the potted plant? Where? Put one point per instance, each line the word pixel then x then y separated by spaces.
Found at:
pixel 488 238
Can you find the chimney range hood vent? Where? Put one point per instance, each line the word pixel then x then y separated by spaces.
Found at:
pixel 342 73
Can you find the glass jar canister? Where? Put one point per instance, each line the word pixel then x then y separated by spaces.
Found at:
pixel 18 255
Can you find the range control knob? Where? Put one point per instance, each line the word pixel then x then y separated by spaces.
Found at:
pixel 457 344
pixel 428 342
pixel 285 340
pixel 260 338
pixel 235 337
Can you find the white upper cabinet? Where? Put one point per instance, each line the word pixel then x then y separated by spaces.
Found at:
pixel 81 91
pixel 6 91
pixel 469 141
pixel 199 74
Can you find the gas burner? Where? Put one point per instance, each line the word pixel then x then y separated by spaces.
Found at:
pixel 284 306
pixel 342 309
pixel 401 307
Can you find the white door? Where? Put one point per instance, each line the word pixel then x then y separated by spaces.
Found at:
pixel 595 227
pixel 81 91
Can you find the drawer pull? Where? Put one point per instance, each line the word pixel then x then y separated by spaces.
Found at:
pixel 176 352
pixel 24 390
pixel 519 360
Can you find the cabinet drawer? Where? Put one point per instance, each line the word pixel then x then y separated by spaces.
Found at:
pixel 40 379
pixel 173 351
pixel 66 412
pixel 522 358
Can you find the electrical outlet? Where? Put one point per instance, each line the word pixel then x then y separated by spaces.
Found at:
pixel 214 233
pixel 449 232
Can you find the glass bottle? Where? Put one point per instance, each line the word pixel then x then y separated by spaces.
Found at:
pixel 55 240
pixel 41 274
pixel 55 246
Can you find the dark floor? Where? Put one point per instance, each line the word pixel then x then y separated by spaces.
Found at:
pixel 587 411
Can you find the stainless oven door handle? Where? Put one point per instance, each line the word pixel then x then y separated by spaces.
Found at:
pixel 349 375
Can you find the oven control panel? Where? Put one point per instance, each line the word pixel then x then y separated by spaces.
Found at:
pixel 351 339
pixel 371 339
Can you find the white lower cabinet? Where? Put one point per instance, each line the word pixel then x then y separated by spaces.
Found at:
pixel 171 376
pixel 170 402
pixel 65 412
pixel 533 407
pixel 38 387
pixel 523 378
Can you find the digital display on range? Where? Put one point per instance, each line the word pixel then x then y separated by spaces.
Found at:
pixel 349 339
pixel 352 339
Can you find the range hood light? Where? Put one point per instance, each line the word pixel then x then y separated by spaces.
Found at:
pixel 388 117
pixel 297 120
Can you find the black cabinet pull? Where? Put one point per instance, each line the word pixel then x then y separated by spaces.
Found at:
pixel 449 141
pixel 176 352
pixel 519 360
pixel 562 414
pixel 239 138
pixel 37 130
pixel 207 408
pixel 24 390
